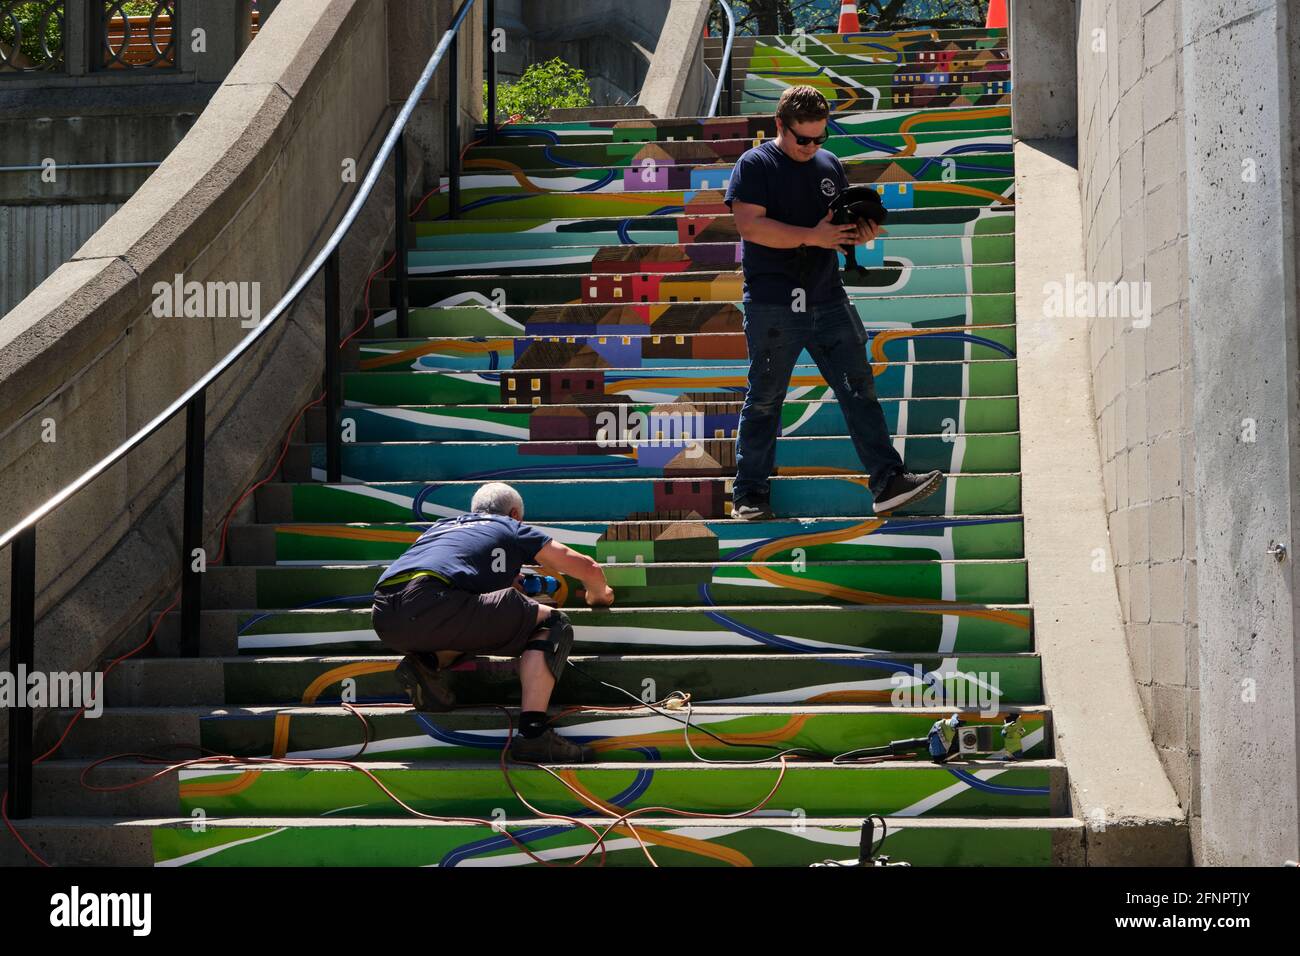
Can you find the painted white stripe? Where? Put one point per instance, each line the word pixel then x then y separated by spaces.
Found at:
pixel 815 834
pixel 544 258
pixel 943 796
pixel 264 641
pixel 646 635
pixel 567 535
pixel 214 850
pixel 797 694
pixel 498 180
pixel 449 421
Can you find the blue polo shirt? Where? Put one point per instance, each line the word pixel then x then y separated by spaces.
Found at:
pixel 474 552
pixel 797 193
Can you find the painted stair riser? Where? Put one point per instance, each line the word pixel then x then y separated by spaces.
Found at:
pixel 677 257
pixel 992 681
pixel 907 789
pixel 718 225
pixel 616 499
pixel 668 457
pixel 764 77
pixel 866 47
pixel 701 286
pixel 871 539
pixel 648 176
pixel 900 315
pixel 845 147
pixel 661 585
pixel 868 122
pixel 870 43
pixel 897 313
pixel 629 350
pixel 725 628
pixel 735 843
pixel 961 56
pixel 798 418
pixel 496 206
pixel 759 95
pixel 475 737
pixel 1019 790
pixel 690 163
pixel 900 97
pixel 594 386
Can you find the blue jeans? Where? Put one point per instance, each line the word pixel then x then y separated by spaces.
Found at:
pixel 834 337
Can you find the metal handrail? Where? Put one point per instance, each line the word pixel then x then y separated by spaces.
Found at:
pixel 23 534
pixel 353 210
pixel 724 68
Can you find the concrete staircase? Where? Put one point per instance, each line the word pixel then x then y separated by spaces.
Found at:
pixel 594 279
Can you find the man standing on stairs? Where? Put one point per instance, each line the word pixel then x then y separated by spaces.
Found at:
pixel 457 591
pixel 780 193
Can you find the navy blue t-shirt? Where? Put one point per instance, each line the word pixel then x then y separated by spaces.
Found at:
pixel 796 193
pixel 475 552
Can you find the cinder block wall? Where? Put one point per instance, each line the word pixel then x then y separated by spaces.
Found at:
pixel 1134 185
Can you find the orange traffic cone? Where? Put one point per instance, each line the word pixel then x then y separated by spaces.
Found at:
pixel 997 15
pixel 848 17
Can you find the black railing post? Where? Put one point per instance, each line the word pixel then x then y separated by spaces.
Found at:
pixel 399 235
pixel 192 523
pixel 22 659
pixel 453 131
pixel 492 73
pixel 333 438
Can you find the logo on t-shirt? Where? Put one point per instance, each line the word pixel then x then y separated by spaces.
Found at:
pixel 828 188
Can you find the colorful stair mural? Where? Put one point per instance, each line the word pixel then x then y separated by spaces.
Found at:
pixel 578 332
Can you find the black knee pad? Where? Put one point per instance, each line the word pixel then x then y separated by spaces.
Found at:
pixel 555 640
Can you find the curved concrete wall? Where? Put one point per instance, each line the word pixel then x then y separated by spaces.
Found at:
pixel 248 196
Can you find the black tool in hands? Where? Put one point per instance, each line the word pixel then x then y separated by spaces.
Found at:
pixel 857 204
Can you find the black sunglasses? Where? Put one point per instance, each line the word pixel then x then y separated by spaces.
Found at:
pixel 805 140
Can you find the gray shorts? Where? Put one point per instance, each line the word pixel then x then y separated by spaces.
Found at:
pixel 426 615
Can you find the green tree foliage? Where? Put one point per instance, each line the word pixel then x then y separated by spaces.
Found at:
pixel 772 17
pixel 37 33
pixel 553 84
pixel 36 22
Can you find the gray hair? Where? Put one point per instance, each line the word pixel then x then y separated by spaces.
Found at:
pixel 496 498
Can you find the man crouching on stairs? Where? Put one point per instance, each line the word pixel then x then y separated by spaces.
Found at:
pixel 457 590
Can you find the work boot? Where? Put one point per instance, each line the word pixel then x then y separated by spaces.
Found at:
pixel 550 747
pixel 905 488
pixel 425 684
pixel 752 509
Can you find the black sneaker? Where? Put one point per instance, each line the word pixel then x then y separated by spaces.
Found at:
pixel 754 509
pixel 905 488
pixel 550 747
pixel 425 684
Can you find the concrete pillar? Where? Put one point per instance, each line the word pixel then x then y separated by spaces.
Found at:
pixel 77 55
pixel 227 26
pixel 668 89
pixel 1044 83
pixel 1236 65
pixel 414 31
